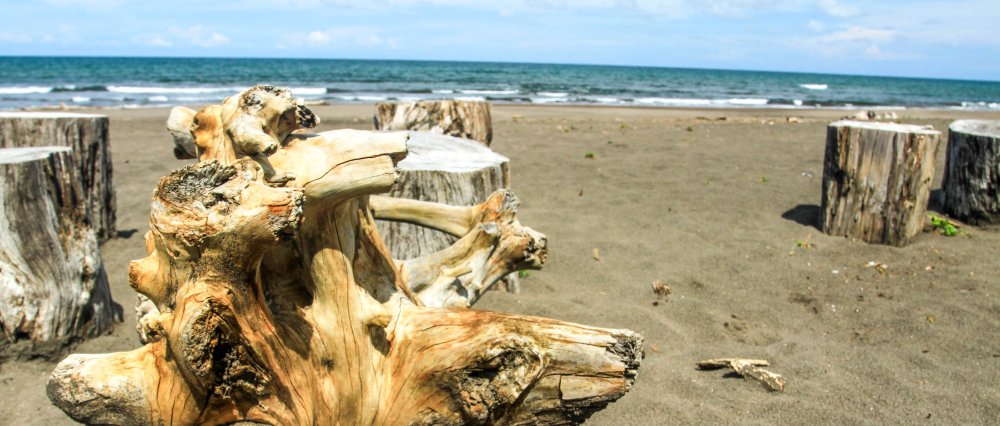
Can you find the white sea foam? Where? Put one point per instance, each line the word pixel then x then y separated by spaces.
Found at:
pixel 979 105
pixel 553 94
pixel 548 100
pixel 490 92
pixel 24 90
pixel 673 101
pixel 797 102
pixel 814 86
pixel 470 98
pixel 308 91
pixel 158 98
pixel 603 99
pixel 185 90
pixel 442 91
pixel 81 99
pixel 747 101
pixel 362 98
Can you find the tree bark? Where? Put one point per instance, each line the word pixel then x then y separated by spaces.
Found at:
pixel 462 119
pixel 445 170
pixel 282 305
pixel 87 134
pixel 876 180
pixel 53 288
pixel 972 172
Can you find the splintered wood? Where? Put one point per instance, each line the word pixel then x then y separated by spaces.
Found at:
pixel 277 302
pixel 748 369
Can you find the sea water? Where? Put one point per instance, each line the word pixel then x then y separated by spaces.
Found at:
pixel 27 82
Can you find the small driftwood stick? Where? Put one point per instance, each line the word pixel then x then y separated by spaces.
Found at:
pixel 748 369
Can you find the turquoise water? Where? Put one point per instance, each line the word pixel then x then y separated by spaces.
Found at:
pixel 139 82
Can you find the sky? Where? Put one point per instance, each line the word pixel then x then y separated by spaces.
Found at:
pixel 917 38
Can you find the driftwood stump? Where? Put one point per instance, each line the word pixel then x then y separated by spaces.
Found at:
pixel 876 180
pixel 281 305
pixel 462 119
pixel 53 288
pixel 445 170
pixel 972 172
pixel 87 135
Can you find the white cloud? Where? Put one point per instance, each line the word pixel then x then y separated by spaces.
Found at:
pixel 158 42
pixel 817 26
pixel 855 34
pixel 341 37
pixel 14 37
pixel 196 35
pixel 199 36
pixel 656 8
pixel 93 4
pixel 838 9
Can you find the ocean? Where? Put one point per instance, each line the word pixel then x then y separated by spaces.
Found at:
pixel 31 82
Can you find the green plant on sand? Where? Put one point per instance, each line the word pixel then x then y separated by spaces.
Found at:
pixel 944 226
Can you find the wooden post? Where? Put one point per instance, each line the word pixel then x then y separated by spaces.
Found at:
pixel 87 135
pixel 876 180
pixel 972 172
pixel 53 289
pixel 462 119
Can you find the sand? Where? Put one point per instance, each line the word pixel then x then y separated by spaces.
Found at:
pixel 715 209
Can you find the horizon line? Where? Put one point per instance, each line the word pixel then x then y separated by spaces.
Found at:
pixel 503 62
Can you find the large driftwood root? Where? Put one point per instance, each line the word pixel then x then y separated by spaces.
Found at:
pixel 281 305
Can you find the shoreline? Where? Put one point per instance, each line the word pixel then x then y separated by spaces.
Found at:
pixel 919 112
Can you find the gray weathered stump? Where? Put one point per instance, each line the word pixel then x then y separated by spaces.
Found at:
pixel 447 170
pixel 876 180
pixel 461 119
pixel 972 172
pixel 53 288
pixel 87 135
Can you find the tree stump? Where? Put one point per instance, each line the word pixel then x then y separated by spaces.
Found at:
pixel 876 180
pixel 447 170
pixel 53 288
pixel 281 304
pixel 462 119
pixel 87 135
pixel 972 172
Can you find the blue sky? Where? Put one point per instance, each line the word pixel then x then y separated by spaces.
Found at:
pixel 924 38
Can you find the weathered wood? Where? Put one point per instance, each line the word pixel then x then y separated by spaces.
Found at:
pixel 446 170
pixel 53 288
pixel 462 119
pixel 972 172
pixel 87 135
pixel 281 305
pixel 876 180
pixel 748 369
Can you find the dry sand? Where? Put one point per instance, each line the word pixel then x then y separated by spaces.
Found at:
pixel 716 212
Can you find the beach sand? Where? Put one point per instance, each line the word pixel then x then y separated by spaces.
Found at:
pixel 715 209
